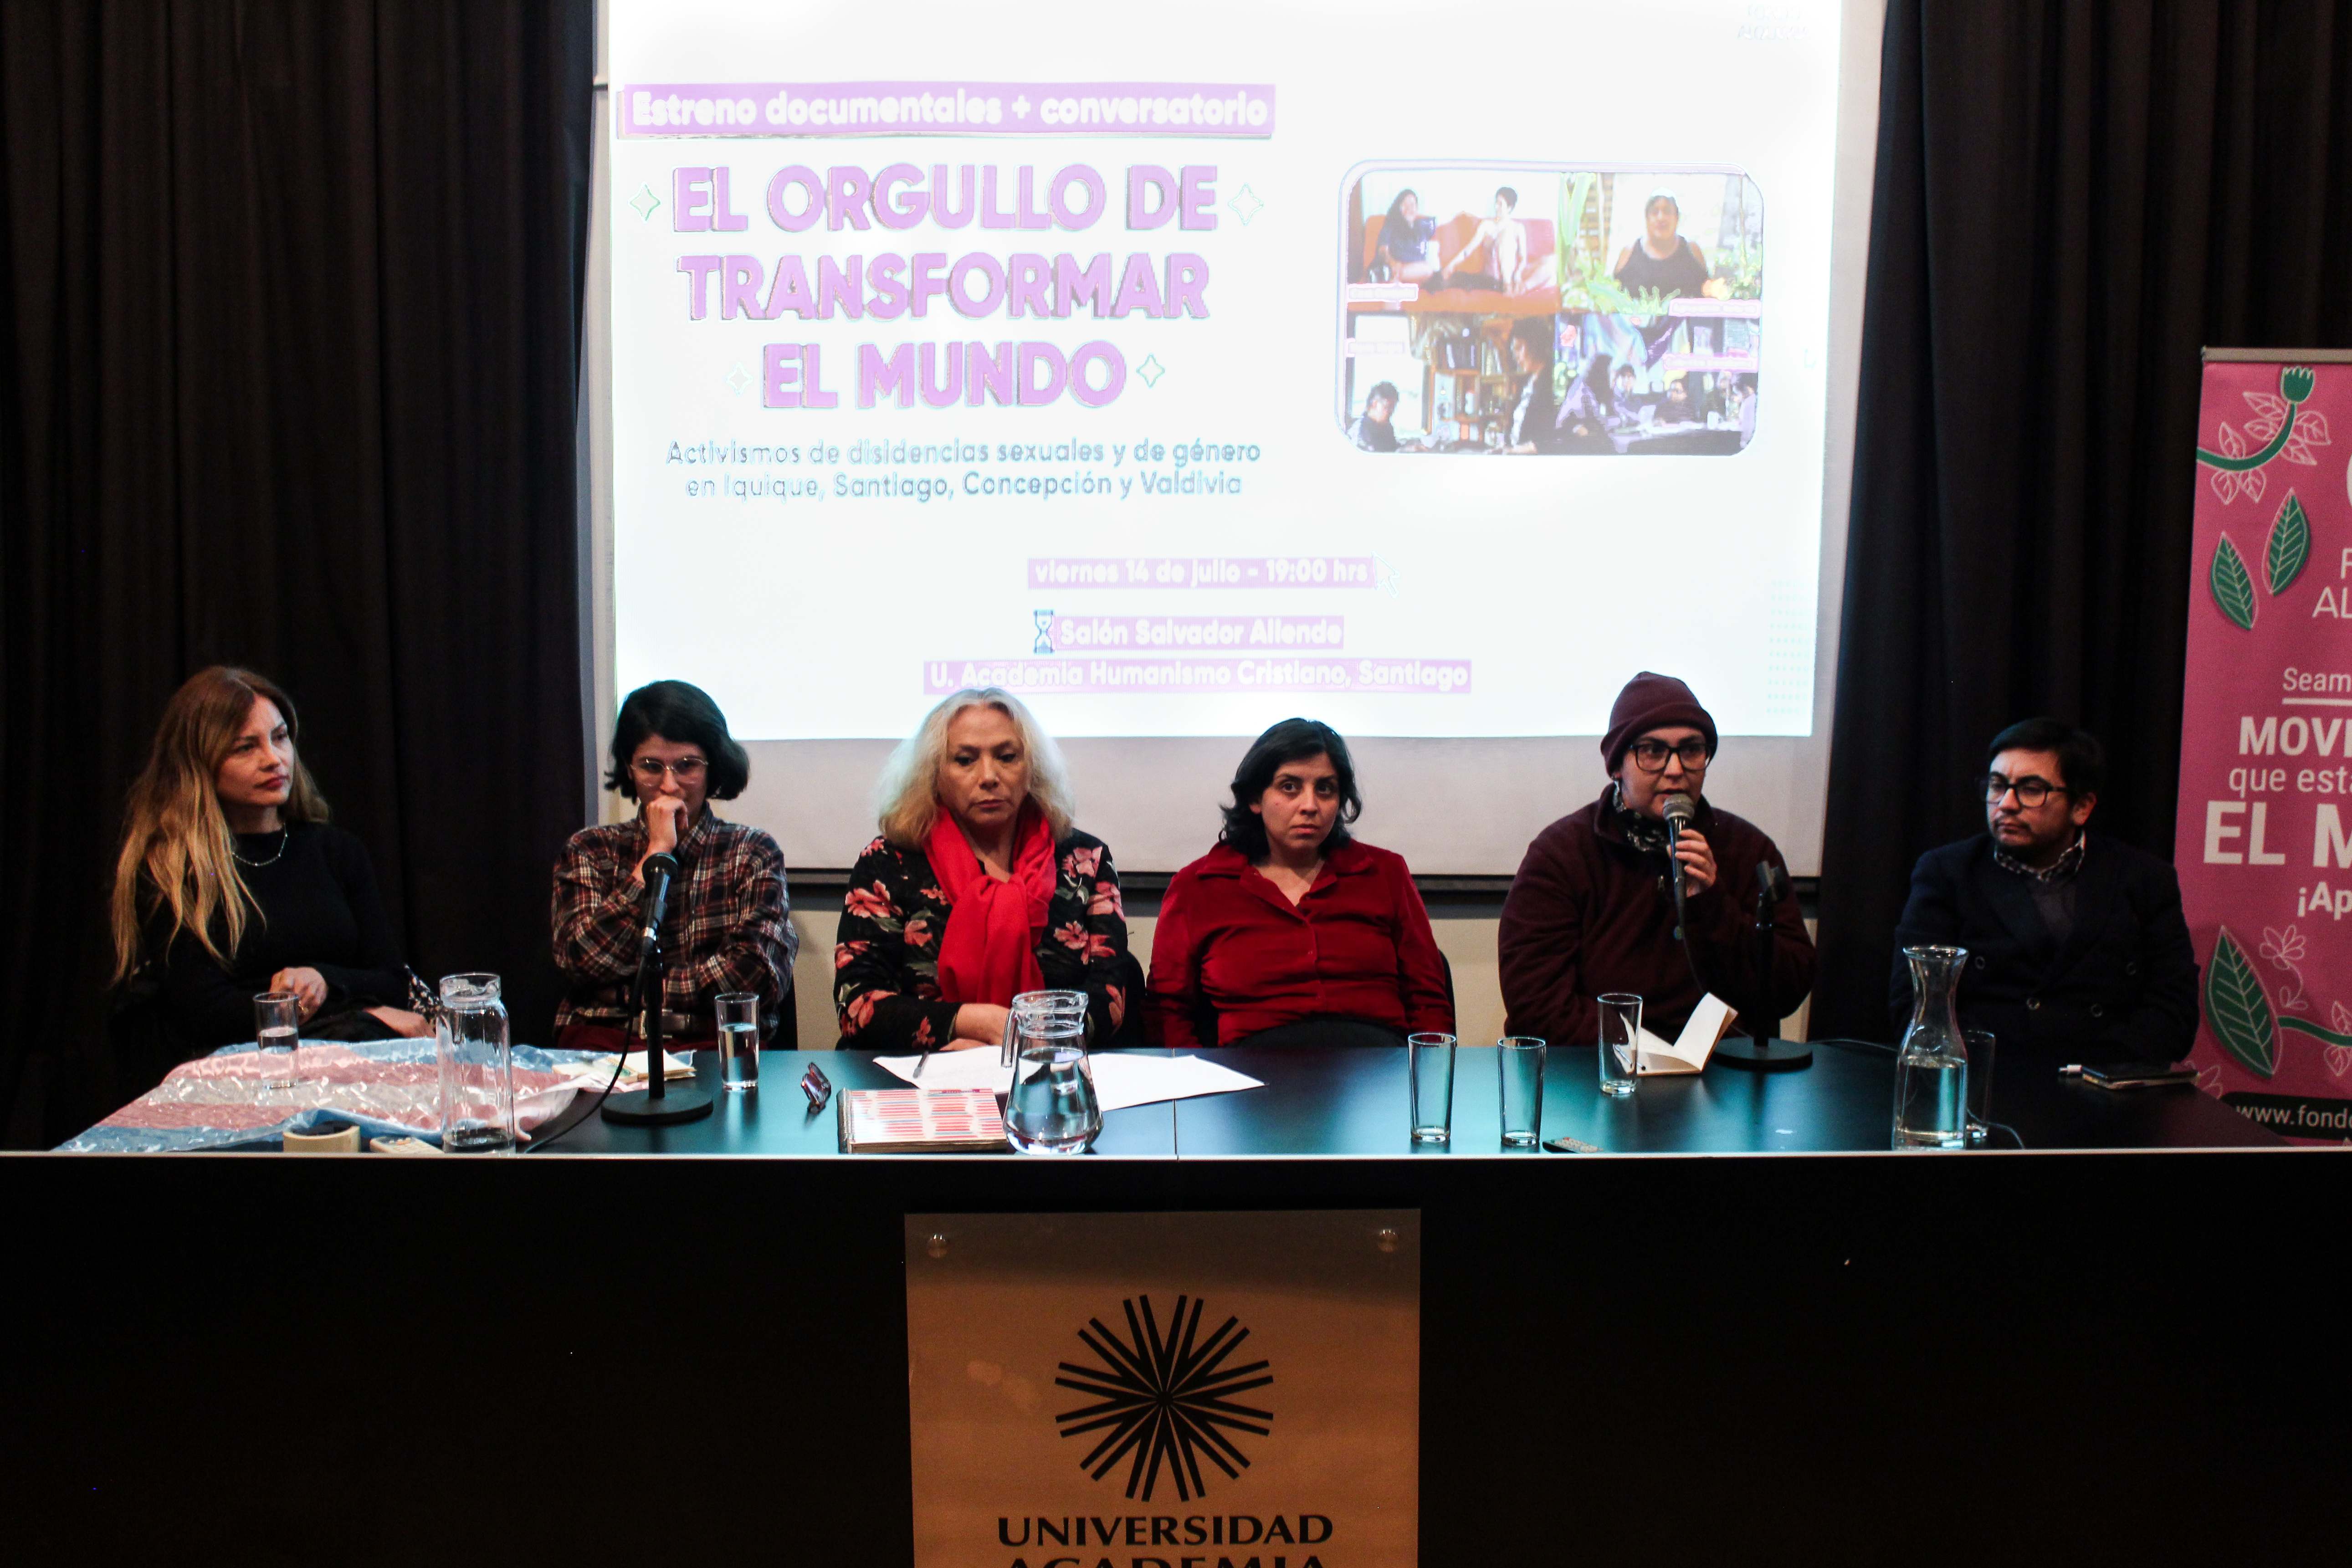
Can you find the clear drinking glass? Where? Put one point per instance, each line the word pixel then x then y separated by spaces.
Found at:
pixel 1521 1071
pixel 739 1038
pixel 1621 1042
pixel 1431 1059
pixel 278 1036
pixel 1979 1043
pixel 1052 1108
pixel 477 1115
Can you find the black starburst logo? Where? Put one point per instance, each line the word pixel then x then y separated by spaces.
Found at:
pixel 1164 1400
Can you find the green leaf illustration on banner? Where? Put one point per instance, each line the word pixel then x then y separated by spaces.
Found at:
pixel 2237 1011
pixel 2290 544
pixel 2233 589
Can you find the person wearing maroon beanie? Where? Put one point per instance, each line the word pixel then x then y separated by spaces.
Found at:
pixel 1592 906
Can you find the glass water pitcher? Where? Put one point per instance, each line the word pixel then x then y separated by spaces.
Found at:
pixel 1931 1068
pixel 477 1110
pixel 1052 1108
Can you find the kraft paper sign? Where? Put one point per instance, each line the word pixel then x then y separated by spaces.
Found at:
pixel 1165 1390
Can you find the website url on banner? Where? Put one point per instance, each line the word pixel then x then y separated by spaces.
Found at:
pixel 1386 677
pixel 947 108
pixel 2297 1116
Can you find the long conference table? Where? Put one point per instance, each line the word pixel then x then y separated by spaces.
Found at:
pixel 689 1342
pixel 1351 1103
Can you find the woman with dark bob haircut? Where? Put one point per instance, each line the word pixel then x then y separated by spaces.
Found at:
pixel 728 927
pixel 1290 931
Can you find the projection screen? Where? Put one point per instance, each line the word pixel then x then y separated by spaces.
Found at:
pixel 1183 371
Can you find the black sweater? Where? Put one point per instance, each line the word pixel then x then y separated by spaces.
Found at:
pixel 319 910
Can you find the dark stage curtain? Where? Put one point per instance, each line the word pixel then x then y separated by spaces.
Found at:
pixel 2072 199
pixel 290 298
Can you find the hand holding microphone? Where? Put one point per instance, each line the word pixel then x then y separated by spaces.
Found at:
pixel 1692 856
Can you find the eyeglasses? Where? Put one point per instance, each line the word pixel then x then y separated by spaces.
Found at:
pixel 2030 792
pixel 1650 757
pixel 688 769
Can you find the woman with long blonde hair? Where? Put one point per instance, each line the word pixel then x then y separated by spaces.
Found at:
pixel 979 888
pixel 231 882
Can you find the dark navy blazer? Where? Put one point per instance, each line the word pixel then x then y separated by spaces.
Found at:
pixel 2122 987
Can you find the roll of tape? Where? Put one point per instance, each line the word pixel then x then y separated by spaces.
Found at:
pixel 327 1138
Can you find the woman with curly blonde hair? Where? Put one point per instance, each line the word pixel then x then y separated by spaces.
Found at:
pixel 231 882
pixel 979 889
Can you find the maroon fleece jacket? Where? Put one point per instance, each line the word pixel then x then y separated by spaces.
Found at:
pixel 1588 912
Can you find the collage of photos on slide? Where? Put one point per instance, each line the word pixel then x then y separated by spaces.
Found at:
pixel 1559 311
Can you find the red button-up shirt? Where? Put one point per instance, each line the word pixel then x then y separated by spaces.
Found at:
pixel 1357 946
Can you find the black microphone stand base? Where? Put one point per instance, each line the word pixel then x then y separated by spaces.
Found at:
pixel 1762 1056
pixel 641 1108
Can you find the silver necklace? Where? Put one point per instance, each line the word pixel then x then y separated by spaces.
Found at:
pixel 285 834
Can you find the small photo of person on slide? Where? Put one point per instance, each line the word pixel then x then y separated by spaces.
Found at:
pixel 1487 383
pixel 1466 239
pixel 1538 313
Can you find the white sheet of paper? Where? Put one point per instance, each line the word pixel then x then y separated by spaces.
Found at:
pixel 1120 1080
pixel 1693 1045
pixel 1124 1081
pixel 595 1070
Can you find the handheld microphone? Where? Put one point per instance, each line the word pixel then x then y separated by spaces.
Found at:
pixel 1678 810
pixel 659 871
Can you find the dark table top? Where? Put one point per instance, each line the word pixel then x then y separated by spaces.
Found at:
pixel 776 1118
pixel 1352 1103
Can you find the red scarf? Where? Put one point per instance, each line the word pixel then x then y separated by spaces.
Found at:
pixel 989 951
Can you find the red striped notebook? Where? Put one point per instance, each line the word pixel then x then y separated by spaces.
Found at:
pixel 920 1121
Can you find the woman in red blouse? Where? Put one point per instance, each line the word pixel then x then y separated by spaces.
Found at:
pixel 1289 930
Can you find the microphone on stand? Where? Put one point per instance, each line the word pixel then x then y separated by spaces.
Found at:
pixel 1761 1053
pixel 659 871
pixel 1679 811
pixel 654 1105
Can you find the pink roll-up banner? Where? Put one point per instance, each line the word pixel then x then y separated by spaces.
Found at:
pixel 2263 842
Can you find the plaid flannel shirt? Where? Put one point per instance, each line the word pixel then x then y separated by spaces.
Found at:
pixel 727 930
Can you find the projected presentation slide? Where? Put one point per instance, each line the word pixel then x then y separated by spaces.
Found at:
pixel 1183 375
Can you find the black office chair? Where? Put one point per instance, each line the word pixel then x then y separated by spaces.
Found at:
pixel 787 1036
pixel 1130 1031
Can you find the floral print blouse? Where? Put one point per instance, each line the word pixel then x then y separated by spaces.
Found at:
pixel 885 969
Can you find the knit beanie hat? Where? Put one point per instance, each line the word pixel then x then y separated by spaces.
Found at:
pixel 1652 701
